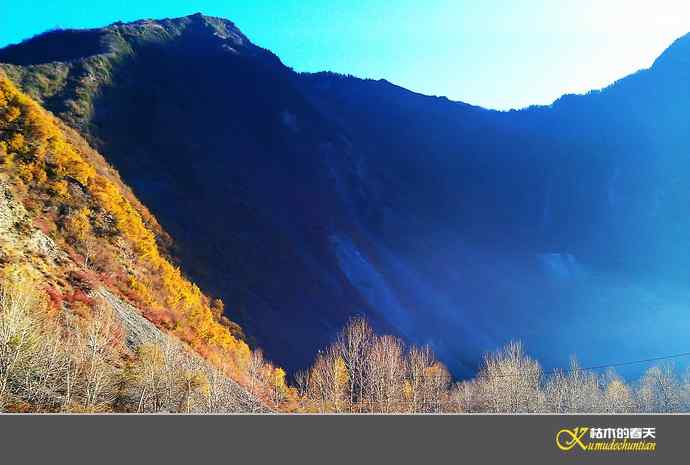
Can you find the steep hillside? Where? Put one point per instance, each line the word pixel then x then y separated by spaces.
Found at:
pixel 544 223
pixel 302 199
pixel 71 226
pixel 251 186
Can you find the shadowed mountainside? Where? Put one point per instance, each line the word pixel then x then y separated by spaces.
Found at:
pixel 302 199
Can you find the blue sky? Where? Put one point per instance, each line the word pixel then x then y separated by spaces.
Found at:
pixel 494 53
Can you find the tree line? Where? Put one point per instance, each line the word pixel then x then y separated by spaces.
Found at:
pixel 363 372
pixel 56 360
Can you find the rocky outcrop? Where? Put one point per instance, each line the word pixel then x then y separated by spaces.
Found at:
pixel 20 240
pixel 139 331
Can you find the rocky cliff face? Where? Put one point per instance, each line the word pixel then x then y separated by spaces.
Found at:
pixel 20 241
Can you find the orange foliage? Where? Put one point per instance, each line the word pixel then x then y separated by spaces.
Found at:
pixel 55 298
pixel 78 296
pixel 38 155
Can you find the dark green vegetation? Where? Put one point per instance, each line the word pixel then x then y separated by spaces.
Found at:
pixel 252 186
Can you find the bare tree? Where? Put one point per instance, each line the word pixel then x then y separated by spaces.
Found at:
pixel 223 395
pixel 419 360
pixel 427 381
pixel 254 371
pixel 43 385
pixel 660 391
pixel 157 377
pixel 465 397
pixel 51 361
pixel 436 384
pixel 385 372
pixel 328 381
pixel 93 348
pixel 511 381
pixel 575 391
pixel 617 397
pixel 21 325
pixel 354 344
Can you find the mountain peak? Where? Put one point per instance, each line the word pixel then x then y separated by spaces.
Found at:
pixel 63 45
pixel 677 53
pixel 200 23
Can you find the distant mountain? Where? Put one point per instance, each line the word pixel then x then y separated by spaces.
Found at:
pixel 302 199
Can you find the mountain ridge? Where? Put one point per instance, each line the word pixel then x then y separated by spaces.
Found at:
pixel 319 197
pixel 225 29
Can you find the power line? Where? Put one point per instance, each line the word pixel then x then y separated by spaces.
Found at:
pixel 438 402
pixel 600 367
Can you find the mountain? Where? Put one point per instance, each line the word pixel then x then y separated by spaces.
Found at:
pixel 302 199
pixel 243 182
pixel 95 314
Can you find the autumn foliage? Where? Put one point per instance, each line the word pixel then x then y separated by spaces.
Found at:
pixel 86 209
pixel 59 361
pixel 363 372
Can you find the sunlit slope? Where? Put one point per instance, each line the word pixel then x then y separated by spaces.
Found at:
pixel 110 239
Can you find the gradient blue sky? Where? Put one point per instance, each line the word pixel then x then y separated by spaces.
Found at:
pixel 494 53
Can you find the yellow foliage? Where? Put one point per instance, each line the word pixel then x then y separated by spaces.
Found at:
pixel 341 373
pixel 17 143
pixel 142 290
pixel 408 390
pixel 60 189
pixel 25 173
pixel 12 114
pixel 47 163
pixel 79 224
